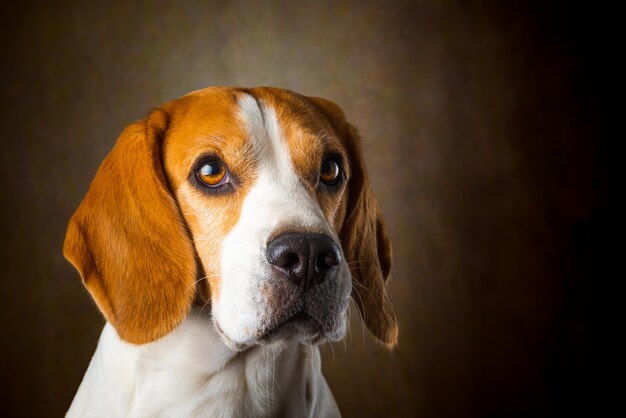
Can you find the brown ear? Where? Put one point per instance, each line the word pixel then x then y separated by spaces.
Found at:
pixel 128 241
pixel 363 236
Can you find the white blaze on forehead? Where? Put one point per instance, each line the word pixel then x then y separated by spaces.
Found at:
pixel 277 199
pixel 267 138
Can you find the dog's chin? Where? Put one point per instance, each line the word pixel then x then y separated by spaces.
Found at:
pixel 299 327
pixel 228 342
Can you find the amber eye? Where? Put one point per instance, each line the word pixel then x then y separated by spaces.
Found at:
pixel 212 173
pixel 330 172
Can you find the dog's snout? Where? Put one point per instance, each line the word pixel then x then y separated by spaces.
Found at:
pixel 304 259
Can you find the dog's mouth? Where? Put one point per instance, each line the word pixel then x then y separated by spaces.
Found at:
pixel 296 323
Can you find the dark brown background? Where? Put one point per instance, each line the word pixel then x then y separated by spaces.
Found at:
pixel 486 126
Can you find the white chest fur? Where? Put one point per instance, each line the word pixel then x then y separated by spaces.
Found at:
pixel 190 373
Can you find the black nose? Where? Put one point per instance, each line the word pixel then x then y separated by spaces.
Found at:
pixel 304 259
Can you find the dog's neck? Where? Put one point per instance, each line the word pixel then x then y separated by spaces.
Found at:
pixel 190 373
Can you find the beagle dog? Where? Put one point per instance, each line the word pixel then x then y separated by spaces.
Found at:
pixel 222 239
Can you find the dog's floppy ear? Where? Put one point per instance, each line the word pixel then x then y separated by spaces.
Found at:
pixel 363 236
pixel 128 240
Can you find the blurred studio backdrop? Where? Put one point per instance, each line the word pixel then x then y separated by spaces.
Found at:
pixel 483 125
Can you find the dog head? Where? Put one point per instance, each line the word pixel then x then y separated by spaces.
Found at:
pixel 255 201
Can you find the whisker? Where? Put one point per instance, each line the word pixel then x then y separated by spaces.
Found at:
pixel 274 376
pixel 365 288
pixel 291 355
pixel 268 372
pixel 197 281
pixel 345 346
pixel 267 375
pixel 203 306
pixel 362 313
pixel 360 261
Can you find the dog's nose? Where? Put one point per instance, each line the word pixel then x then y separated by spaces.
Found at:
pixel 304 259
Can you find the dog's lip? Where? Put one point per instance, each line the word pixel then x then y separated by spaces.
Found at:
pixel 295 316
pixel 299 321
pixel 235 346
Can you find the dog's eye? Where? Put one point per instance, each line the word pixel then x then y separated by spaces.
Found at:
pixel 330 171
pixel 212 173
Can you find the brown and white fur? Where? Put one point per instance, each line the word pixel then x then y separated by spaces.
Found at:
pixel 201 321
